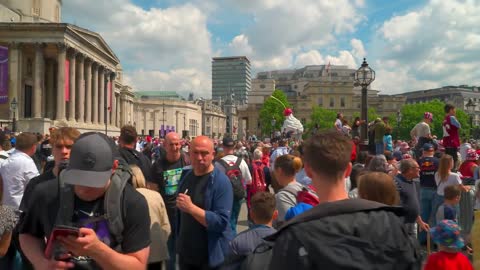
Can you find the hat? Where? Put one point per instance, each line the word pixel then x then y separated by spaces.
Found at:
pixel 428 115
pixel 91 161
pixel 228 142
pixel 428 147
pixel 447 233
pixel 472 155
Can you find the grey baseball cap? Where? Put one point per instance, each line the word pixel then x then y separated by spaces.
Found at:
pixel 91 161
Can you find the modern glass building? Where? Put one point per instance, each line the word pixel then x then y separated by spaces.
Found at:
pixel 231 75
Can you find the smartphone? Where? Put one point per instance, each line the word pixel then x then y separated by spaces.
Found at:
pixel 59 230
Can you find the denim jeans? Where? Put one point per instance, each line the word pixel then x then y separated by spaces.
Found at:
pixel 172 253
pixel 237 205
pixel 379 148
pixel 427 204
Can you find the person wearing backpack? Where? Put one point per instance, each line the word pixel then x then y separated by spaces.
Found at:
pixel 338 233
pixel 238 172
pixel 127 142
pixel 285 169
pixel 92 195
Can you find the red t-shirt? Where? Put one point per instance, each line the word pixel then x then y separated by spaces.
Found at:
pixel 448 261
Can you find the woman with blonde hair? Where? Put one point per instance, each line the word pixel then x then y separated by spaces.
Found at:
pixel 444 177
pixel 378 187
pixel 159 225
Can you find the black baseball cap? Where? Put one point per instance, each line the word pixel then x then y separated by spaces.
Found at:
pixel 91 161
pixel 228 142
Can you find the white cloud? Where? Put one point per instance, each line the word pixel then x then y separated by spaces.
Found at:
pixel 358 51
pixel 431 46
pixel 174 41
pixel 312 57
pixel 183 81
pixel 240 46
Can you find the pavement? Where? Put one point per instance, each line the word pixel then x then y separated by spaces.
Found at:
pixel 242 224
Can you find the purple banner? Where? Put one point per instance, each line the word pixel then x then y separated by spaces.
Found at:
pixel 168 129
pixel 162 131
pixel 173 129
pixel 3 75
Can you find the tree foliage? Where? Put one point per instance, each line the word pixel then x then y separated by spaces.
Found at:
pixel 272 109
pixel 324 118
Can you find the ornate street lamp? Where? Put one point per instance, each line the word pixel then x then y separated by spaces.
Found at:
pixel 364 76
pixel 399 119
pixel 471 112
pixel 13 107
pixel 273 122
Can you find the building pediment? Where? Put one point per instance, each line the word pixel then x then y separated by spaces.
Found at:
pixel 94 39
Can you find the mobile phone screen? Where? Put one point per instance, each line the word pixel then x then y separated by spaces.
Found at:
pixel 63 231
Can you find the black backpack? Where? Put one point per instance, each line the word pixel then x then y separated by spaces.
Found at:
pixel 235 175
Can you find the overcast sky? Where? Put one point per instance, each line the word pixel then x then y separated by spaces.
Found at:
pixel 168 44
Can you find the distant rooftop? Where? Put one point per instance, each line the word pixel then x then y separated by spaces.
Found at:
pixel 158 94
pixel 230 58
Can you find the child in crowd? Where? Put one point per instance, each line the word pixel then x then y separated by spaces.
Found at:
pixel 447 236
pixel 262 213
pixel 447 210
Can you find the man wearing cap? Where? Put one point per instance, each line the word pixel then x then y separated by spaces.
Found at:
pixel 421 133
pixel 231 159
pixel 428 187
pixel 89 173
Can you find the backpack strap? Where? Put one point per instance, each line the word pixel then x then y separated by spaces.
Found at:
pixel 114 205
pixel 66 203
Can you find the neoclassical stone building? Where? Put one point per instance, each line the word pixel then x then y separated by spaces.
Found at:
pixel 62 75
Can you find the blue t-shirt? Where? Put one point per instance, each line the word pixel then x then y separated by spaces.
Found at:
pixel 387 140
pixel 446 212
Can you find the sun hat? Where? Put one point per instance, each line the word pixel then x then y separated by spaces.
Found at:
pixel 91 161
pixel 447 233
pixel 471 155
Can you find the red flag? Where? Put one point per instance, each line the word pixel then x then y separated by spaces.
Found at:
pixel 67 80
pixel 109 87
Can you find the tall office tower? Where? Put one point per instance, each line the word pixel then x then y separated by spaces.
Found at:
pixel 231 75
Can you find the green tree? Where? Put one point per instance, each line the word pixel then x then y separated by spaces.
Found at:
pixel 324 118
pixel 371 114
pixel 272 109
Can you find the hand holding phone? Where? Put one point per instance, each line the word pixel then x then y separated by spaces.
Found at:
pixel 58 231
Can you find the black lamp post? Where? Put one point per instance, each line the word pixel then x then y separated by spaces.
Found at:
pixel 471 112
pixel 364 76
pixel 13 107
pixel 399 119
pixel 273 122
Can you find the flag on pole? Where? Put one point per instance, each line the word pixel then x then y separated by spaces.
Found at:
pixel 67 81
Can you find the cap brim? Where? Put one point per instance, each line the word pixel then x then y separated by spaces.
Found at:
pixel 85 178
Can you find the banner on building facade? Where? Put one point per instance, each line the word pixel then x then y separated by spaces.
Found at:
pixel 167 129
pixel 67 80
pixel 162 131
pixel 3 75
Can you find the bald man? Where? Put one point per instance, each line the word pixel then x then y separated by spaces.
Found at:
pixel 204 202
pixel 166 172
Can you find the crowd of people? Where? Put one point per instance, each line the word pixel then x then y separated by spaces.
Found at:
pixel 88 201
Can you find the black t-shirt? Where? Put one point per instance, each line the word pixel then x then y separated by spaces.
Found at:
pixel 40 216
pixel 428 168
pixel 167 175
pixel 133 157
pixel 45 149
pixel 27 194
pixel 192 242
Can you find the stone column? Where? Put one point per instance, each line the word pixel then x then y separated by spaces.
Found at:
pixel 154 122
pixel 114 107
pixel 88 91
pixel 95 93
pixel 145 114
pixel 118 111
pixel 101 95
pixel 37 81
pixel 50 100
pixel 73 90
pixel 15 73
pixel 80 108
pixel 61 57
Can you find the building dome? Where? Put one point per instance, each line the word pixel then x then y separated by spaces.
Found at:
pixel 30 11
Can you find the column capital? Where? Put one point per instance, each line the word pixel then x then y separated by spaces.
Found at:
pixel 80 57
pixel 15 45
pixel 113 75
pixel 95 66
pixel 62 46
pixel 39 45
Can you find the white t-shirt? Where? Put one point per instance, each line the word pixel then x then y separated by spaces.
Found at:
pixel 452 179
pixel 231 159
pixel 16 172
pixel 338 124
pixel 464 147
